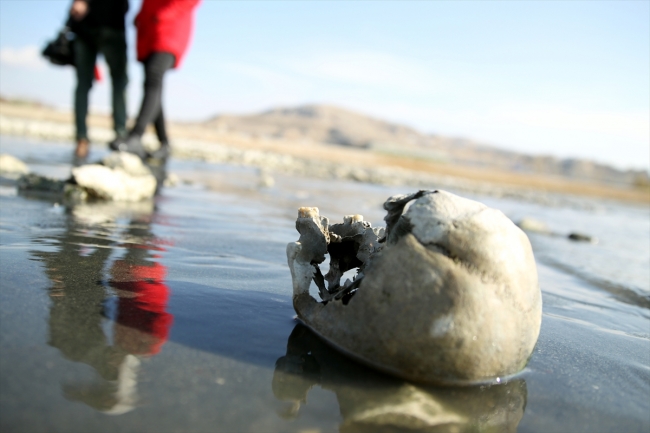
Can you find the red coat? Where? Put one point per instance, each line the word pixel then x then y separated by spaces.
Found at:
pixel 165 25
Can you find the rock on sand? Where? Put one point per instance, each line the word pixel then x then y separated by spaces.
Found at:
pixel 122 177
pixel 12 167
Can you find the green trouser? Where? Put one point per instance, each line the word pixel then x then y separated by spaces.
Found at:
pixel 112 44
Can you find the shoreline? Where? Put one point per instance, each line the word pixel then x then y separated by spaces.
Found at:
pixel 195 141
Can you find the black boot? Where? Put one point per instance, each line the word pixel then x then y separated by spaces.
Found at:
pixel 162 152
pixel 131 144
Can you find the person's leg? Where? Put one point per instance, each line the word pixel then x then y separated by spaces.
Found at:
pixel 113 46
pixel 85 55
pixel 161 129
pixel 154 68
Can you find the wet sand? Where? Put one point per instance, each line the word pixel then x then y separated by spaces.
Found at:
pixel 175 315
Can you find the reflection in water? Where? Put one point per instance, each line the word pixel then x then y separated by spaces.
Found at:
pixel 133 300
pixel 142 324
pixel 372 402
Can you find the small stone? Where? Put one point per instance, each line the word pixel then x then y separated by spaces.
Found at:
pixel 12 167
pixel 172 180
pixel 40 184
pixel 581 237
pixel 127 162
pixel 533 225
pixel 265 179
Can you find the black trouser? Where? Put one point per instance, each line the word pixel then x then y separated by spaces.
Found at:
pixel 112 43
pixel 151 111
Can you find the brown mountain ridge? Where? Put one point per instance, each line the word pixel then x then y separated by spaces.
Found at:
pixel 337 126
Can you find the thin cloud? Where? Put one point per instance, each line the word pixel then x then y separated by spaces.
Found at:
pixel 268 75
pixel 25 57
pixel 367 68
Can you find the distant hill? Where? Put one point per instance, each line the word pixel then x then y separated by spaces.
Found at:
pixel 337 126
pixel 321 123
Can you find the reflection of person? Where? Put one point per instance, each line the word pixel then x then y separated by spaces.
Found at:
pixel 164 29
pixel 142 324
pixel 99 26
pixel 81 304
pixel 371 401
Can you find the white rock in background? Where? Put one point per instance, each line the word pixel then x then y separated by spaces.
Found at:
pixel 533 225
pixel 266 181
pixel 11 166
pixel 128 162
pixel 171 180
pixel 123 178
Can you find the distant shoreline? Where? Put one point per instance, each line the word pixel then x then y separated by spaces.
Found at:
pixel 196 141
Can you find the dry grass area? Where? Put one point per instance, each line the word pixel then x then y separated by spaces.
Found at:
pixel 364 158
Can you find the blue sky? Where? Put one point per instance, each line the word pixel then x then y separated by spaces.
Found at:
pixel 566 78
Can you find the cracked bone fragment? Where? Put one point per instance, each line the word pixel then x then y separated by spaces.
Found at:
pixel 449 296
pixel 355 241
pixel 304 255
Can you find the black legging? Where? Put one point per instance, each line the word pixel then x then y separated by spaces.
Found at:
pixel 151 111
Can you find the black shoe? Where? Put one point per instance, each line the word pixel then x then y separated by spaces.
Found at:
pixel 162 152
pixel 131 144
pixel 78 161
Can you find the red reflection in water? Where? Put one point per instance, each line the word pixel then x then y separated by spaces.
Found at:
pixel 143 297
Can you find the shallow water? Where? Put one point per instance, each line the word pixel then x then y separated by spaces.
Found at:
pixel 176 315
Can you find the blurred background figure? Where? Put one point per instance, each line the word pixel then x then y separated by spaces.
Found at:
pixel 99 26
pixel 164 29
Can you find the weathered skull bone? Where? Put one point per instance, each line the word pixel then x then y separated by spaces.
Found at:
pixel 450 296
